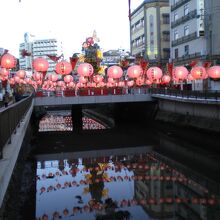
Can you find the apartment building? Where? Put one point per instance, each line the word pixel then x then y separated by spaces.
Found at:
pixel 150 31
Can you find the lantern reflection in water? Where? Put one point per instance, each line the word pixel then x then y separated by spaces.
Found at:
pixel 139 185
pixel 55 121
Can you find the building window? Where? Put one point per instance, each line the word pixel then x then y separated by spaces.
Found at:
pixel 176 35
pixel 166 52
pixel 186 30
pixel 166 18
pixel 186 50
pixel 186 9
pixel 166 36
pixel 175 16
pixel 176 53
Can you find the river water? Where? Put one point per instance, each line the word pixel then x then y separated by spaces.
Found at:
pixel 164 180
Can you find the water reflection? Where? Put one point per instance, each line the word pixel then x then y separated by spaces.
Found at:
pixel 135 186
pixel 62 121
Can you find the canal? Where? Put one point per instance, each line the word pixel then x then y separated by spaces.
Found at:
pixel 138 172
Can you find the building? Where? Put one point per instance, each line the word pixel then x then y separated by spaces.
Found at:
pixel 150 31
pixel 39 48
pixel 194 34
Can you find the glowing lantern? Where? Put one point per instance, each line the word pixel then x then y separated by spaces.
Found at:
pixel 111 80
pixel 60 83
pixel 139 81
pixel 115 72
pixel 154 73
pixel 68 79
pixel 198 72
pixel 82 79
pixel 40 64
pixel 98 78
pixel 37 76
pixel 180 73
pixel 8 61
pixel 166 79
pixel 63 68
pixel 53 77
pixel 130 83
pixel 148 82
pixel 85 69
pixel 190 77
pixel 134 71
pixel 214 72
pixel 21 74
pixel 4 72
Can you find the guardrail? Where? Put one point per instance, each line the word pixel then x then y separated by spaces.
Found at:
pixel 10 118
pixel 209 94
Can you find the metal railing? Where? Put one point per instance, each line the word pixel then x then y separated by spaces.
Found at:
pixel 214 94
pixel 184 39
pixel 10 119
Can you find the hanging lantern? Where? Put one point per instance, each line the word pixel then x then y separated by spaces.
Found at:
pixel 111 80
pixel 115 72
pixel 53 77
pixel 8 61
pixel 63 68
pixel 130 83
pixel 214 72
pixel 154 73
pixel 198 72
pixel 83 79
pixel 98 78
pixel 166 79
pixel 4 72
pixel 37 76
pixel 85 69
pixel 21 74
pixel 68 79
pixel 40 64
pixel 180 73
pixel 134 71
pixel 139 81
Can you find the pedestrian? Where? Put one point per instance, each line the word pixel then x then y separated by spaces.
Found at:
pixel 6 99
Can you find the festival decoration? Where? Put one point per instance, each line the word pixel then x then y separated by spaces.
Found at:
pixel 8 61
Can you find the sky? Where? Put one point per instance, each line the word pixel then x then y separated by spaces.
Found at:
pixel 70 21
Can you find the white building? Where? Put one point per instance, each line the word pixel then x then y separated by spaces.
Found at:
pixel 39 48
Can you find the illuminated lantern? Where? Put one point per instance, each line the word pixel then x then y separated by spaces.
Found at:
pixel 139 81
pixel 4 72
pixel 85 69
pixel 82 79
pixel 198 72
pixel 154 73
pixel 68 79
pixel 60 83
pixel 166 79
pixel 115 72
pixel 8 61
pixel 130 83
pixel 111 80
pixel 180 73
pixel 214 72
pixel 17 79
pixel 134 71
pixel 63 68
pixel 21 74
pixel 37 76
pixel 71 85
pixel 53 77
pixel 148 82
pixel 40 64
pixel 190 77
pixel 121 84
pixel 98 78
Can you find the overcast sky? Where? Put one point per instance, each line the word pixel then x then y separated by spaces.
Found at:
pixel 70 21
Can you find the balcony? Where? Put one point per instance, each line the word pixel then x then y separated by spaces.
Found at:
pixel 189 16
pixel 178 4
pixel 184 39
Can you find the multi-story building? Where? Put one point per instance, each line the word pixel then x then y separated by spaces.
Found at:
pixel 194 33
pixel 39 48
pixel 150 31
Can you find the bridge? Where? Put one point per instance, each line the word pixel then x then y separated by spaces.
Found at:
pixel 15 119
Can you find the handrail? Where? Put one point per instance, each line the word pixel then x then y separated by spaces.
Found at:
pixel 10 118
pixel 209 94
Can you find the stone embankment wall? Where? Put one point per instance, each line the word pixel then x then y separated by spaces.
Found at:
pixel 199 115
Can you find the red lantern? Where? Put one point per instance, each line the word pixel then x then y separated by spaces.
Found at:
pixel 198 72
pixel 115 72
pixel 134 71
pixel 85 69
pixel 40 64
pixel 130 83
pixel 63 68
pixel 98 78
pixel 190 77
pixel 8 61
pixel 21 74
pixel 53 77
pixel 154 73
pixel 4 72
pixel 166 79
pixel 214 72
pixel 68 79
pixel 180 73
